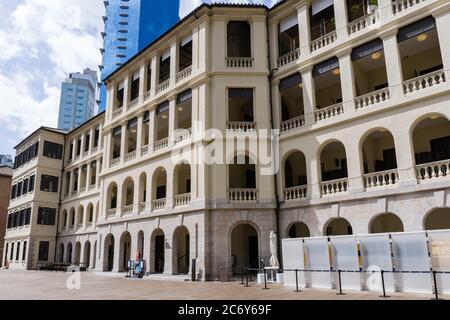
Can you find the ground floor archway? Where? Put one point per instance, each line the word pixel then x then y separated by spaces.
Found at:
pixel 157 251
pixel 385 223
pixel 438 219
pixel 244 248
pixel 87 254
pixel 181 251
pixel 108 257
pixel 298 230
pixel 125 251
pixel 338 227
pixel 69 253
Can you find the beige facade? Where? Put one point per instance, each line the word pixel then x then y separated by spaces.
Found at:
pixel 360 98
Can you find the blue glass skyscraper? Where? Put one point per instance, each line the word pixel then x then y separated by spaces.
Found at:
pixel 78 99
pixel 130 25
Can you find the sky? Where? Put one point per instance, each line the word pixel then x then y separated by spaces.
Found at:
pixel 41 42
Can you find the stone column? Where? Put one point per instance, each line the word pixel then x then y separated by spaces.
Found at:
pixel 309 95
pixel 172 119
pixel 276 101
pixel 304 30
pixel 88 176
pixel 274 43
pixel 404 150
pixel 385 9
pixel 313 174
pixel 340 13
pixel 354 166
pixel 91 140
pixel 347 81
pixel 139 137
pixel 142 81
pixel 173 61
pixel 151 134
pixel 71 183
pixel 123 143
pixel 126 91
pixel 442 24
pixel 393 65
pixel 154 74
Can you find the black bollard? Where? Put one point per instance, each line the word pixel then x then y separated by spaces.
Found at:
pixel 242 277
pixel 436 291
pixel 265 280
pixel 246 280
pixel 340 284
pixel 296 281
pixel 384 286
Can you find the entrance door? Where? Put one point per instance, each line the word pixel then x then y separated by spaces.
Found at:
pixel 159 254
pixel 253 252
pixel 110 257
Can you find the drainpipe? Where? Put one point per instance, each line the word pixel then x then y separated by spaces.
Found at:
pixel 60 199
pixel 277 198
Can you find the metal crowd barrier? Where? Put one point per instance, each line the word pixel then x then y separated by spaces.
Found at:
pixel 339 272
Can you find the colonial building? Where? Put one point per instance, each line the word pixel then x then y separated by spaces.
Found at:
pixel 357 89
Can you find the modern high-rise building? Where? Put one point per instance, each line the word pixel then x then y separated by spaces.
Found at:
pixel 6 160
pixel 130 25
pixel 78 99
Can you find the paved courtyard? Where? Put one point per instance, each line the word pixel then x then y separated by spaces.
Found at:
pixel 96 286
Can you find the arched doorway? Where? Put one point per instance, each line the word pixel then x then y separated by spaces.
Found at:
pixel 333 161
pixel 76 259
pixel 108 257
pixel 244 248
pixel 338 227
pixel 438 219
pixel 299 230
pixel 295 179
pixel 378 151
pixel 61 252
pixel 181 250
pixel 140 244
pixel 157 251
pixel 385 223
pixel 87 254
pixel 69 253
pixel 125 251
pixel 94 256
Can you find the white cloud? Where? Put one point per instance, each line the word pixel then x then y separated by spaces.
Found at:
pixel 186 6
pixel 41 41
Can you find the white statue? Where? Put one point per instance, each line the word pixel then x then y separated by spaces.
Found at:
pixel 273 250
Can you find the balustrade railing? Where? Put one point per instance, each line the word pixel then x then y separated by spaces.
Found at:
pixel 127 209
pixel 130 156
pixel 323 41
pixel 182 199
pixel 425 81
pixel 239 62
pixel 111 212
pixel 293 193
pixel 334 186
pixel 159 204
pixel 117 112
pixel 162 86
pixel 182 135
pixel 238 126
pixel 401 5
pixel 372 98
pixel 292 124
pixel 243 195
pixel 114 162
pixel 143 207
pixel 161 144
pixel 382 178
pixel 329 112
pixel 433 170
pixel 362 23
pixel 144 150
pixel 133 103
pixel 289 57
pixel 184 73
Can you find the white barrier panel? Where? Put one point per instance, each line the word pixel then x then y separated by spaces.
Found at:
pixel 345 257
pixel 318 258
pixel 294 258
pixel 440 258
pixel 376 256
pixel 411 254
